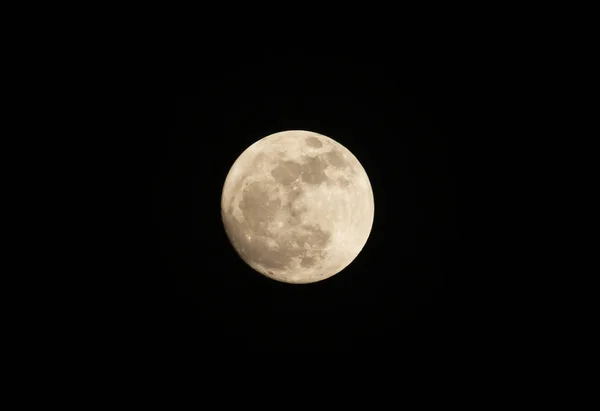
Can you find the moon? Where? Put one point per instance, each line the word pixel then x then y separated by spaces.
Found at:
pixel 297 206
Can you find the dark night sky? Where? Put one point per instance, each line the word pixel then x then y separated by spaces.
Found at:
pixel 402 121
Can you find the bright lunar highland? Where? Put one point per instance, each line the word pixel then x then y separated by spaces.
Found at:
pixel 297 206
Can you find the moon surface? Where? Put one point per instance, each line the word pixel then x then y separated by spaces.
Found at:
pixel 297 206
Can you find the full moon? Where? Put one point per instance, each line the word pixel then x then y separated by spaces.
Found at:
pixel 297 206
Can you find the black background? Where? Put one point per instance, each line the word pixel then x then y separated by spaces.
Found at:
pixel 402 118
